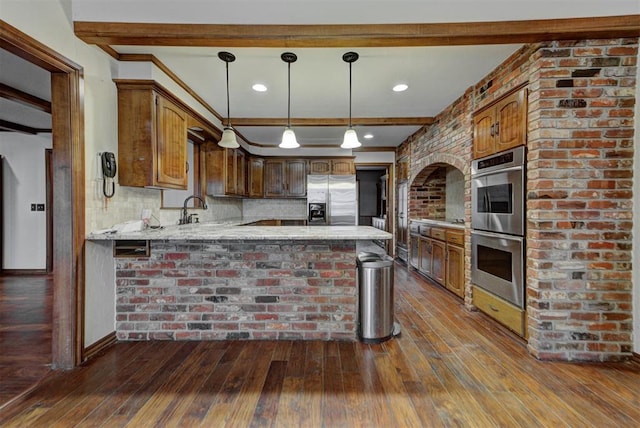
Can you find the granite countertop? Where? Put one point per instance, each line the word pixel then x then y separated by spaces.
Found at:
pixel 237 229
pixel 443 223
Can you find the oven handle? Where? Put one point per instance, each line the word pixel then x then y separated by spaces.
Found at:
pixel 497 235
pixel 495 172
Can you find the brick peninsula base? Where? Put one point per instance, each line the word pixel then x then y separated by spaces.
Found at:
pixel 219 290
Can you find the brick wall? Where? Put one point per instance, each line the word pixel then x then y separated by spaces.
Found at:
pixel 580 171
pixel 429 196
pixel 248 290
pixel 580 163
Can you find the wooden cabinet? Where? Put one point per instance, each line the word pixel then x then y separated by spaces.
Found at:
pixel 500 310
pixel 152 138
pixel 225 171
pixel 337 166
pixel 285 178
pixel 455 262
pixel 501 126
pixel 402 222
pixel 255 177
pixel 438 253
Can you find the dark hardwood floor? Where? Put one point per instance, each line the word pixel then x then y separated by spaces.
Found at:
pixel 450 367
pixel 25 332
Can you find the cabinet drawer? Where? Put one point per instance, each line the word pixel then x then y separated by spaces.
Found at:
pixel 438 233
pixel 414 228
pixel 503 312
pixel 455 237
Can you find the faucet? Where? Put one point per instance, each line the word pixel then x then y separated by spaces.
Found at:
pixel 187 218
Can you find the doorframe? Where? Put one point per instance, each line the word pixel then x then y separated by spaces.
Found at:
pixel 391 195
pixel 48 169
pixel 68 172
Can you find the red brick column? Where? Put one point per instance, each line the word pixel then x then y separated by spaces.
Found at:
pixel 579 211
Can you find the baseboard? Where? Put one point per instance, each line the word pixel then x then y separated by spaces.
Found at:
pixel 23 272
pixel 635 357
pixel 102 344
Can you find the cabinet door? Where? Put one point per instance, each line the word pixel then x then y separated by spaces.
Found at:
pixel 229 172
pixel 342 167
pixel 402 214
pixel 483 133
pixel 415 252
pixel 425 256
pixel 296 184
pixel 241 173
pixel 256 177
pixel 172 145
pixel 320 166
pixel 510 128
pixel 438 256
pixel 455 269
pixel 274 176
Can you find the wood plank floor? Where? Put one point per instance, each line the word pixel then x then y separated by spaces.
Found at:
pixel 25 332
pixel 449 367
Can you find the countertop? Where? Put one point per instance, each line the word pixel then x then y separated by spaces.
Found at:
pixel 238 229
pixel 441 223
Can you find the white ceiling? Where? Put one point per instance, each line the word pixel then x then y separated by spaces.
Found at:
pixel 319 79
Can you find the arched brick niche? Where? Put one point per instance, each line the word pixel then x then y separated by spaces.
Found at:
pixel 438 191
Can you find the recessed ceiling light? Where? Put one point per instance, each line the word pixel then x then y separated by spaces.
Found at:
pixel 400 87
pixel 368 136
pixel 259 87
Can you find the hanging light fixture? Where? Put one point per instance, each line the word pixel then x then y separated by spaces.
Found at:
pixel 350 137
pixel 288 136
pixel 228 139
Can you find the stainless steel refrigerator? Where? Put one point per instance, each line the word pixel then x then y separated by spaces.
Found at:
pixel 332 200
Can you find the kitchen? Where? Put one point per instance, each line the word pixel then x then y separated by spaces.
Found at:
pixel 420 159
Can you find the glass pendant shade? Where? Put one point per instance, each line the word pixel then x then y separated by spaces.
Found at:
pixel 228 139
pixel 350 139
pixel 289 139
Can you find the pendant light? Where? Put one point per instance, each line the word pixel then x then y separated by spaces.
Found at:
pixel 350 137
pixel 228 139
pixel 288 136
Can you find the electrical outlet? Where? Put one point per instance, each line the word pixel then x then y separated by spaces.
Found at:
pixel 33 207
pixel 40 207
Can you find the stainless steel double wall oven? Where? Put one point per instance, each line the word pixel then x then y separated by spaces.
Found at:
pixel 498 224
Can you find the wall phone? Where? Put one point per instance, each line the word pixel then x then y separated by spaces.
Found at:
pixel 109 169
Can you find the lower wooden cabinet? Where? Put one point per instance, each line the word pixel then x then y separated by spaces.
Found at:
pixel 439 254
pixel 500 310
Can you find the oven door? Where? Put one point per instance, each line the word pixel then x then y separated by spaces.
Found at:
pixel 497 265
pixel 498 201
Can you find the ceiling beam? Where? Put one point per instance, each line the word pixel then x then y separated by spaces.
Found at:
pixel 362 121
pixel 5 125
pixel 23 98
pixel 357 35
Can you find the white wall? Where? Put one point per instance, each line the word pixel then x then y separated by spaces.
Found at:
pixel 24 183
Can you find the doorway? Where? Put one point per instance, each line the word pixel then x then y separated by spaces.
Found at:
pixel 67 177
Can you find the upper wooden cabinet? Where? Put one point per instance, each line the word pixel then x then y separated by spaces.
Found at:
pixel 285 178
pixel 226 171
pixel 501 126
pixel 152 138
pixel 255 177
pixel 337 166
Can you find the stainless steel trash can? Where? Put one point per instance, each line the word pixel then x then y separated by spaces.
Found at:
pixel 375 283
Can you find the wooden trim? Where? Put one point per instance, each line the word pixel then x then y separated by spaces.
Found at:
pixel 110 51
pixel 48 161
pixel 95 348
pixel 68 180
pixel 358 35
pixel 19 272
pixel 363 149
pixel 166 70
pixel 23 98
pixel 337 121
pixel 5 125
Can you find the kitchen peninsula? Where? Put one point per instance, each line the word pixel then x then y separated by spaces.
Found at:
pixel 224 280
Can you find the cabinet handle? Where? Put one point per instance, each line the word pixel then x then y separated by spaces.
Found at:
pixel 493 308
pixel 491 130
pixel 497 129
pixel 187 166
